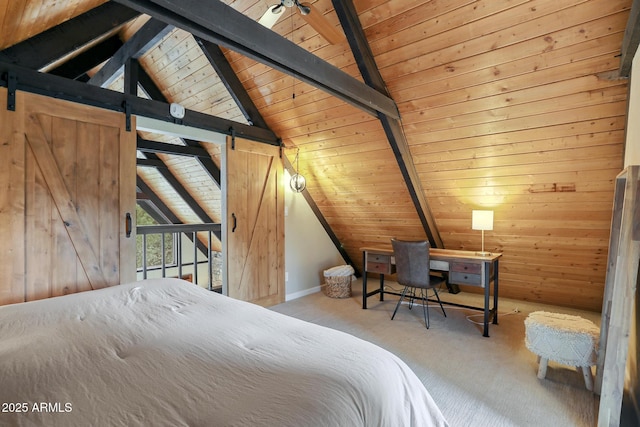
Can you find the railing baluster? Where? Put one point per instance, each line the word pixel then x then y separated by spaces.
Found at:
pixel 163 257
pixel 209 262
pixel 195 257
pixel 144 256
pixel 179 253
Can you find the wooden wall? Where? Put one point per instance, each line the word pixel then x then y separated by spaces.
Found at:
pixel 511 106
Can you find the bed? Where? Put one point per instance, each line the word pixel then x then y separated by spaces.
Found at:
pixel 167 352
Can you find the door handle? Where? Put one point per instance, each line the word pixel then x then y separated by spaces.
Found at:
pixel 127 225
pixel 235 222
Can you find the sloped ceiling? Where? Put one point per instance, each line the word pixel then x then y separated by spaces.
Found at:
pixel 514 106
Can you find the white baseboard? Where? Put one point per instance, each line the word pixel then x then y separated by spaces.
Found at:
pixel 302 293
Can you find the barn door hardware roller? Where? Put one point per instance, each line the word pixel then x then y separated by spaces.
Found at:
pixel 12 86
pixel 232 132
pixel 127 111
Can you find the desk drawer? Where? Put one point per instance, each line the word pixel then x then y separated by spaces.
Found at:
pixel 386 259
pixel 379 267
pixel 463 267
pixel 465 278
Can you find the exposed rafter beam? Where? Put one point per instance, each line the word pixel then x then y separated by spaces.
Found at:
pixel 218 23
pixel 153 92
pixel 59 87
pixel 92 57
pixel 159 204
pixel 231 81
pixel 631 39
pixel 150 163
pixel 178 150
pixel 392 126
pixel 144 39
pixel 45 48
pixel 184 194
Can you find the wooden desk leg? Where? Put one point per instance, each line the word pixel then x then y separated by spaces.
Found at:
pixel 382 287
pixel 364 280
pixel 495 292
pixel 487 285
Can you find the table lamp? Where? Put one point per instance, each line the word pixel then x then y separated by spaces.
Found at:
pixel 482 220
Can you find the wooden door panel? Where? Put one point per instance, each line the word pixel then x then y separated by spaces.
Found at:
pixel 255 223
pixel 75 167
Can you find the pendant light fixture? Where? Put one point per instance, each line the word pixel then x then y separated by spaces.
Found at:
pixel 298 183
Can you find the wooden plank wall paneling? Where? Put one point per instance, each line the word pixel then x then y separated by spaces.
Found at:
pixel 510 106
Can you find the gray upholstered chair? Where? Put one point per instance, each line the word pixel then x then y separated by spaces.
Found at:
pixel 413 271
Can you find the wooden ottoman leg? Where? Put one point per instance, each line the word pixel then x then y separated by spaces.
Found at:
pixel 542 369
pixel 588 377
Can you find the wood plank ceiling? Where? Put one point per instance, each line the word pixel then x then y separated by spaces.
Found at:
pixel 514 106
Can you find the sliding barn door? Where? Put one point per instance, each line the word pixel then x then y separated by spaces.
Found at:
pixel 255 222
pixel 67 184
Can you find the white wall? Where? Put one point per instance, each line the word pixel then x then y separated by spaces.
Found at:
pixel 308 249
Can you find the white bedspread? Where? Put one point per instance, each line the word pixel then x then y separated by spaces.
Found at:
pixel 168 353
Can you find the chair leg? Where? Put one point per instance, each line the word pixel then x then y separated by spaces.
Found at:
pixel 588 377
pixel 412 297
pixel 542 369
pixel 425 308
pixel 439 302
pixel 404 291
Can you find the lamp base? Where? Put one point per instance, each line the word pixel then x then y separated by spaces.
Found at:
pixel 483 253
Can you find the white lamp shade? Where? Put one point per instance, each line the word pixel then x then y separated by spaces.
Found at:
pixel 482 220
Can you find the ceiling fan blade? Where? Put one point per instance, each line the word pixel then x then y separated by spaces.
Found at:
pixel 322 26
pixel 271 16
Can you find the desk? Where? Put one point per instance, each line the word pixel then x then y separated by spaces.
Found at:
pixel 463 268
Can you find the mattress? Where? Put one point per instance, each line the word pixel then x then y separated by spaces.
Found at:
pixel 167 352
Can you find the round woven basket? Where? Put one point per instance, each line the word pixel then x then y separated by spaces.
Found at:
pixel 338 286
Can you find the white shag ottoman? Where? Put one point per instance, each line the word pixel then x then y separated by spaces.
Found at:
pixel 563 338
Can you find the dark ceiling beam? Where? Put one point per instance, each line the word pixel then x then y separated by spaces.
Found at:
pixel 631 39
pixel 159 204
pixel 147 146
pixel 47 47
pixel 161 212
pixel 218 23
pixel 184 194
pixel 392 126
pixel 151 89
pixel 71 90
pixel 231 81
pixel 77 66
pixel 144 39
pixel 150 163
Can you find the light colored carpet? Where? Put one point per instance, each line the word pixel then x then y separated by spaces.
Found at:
pixel 476 381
